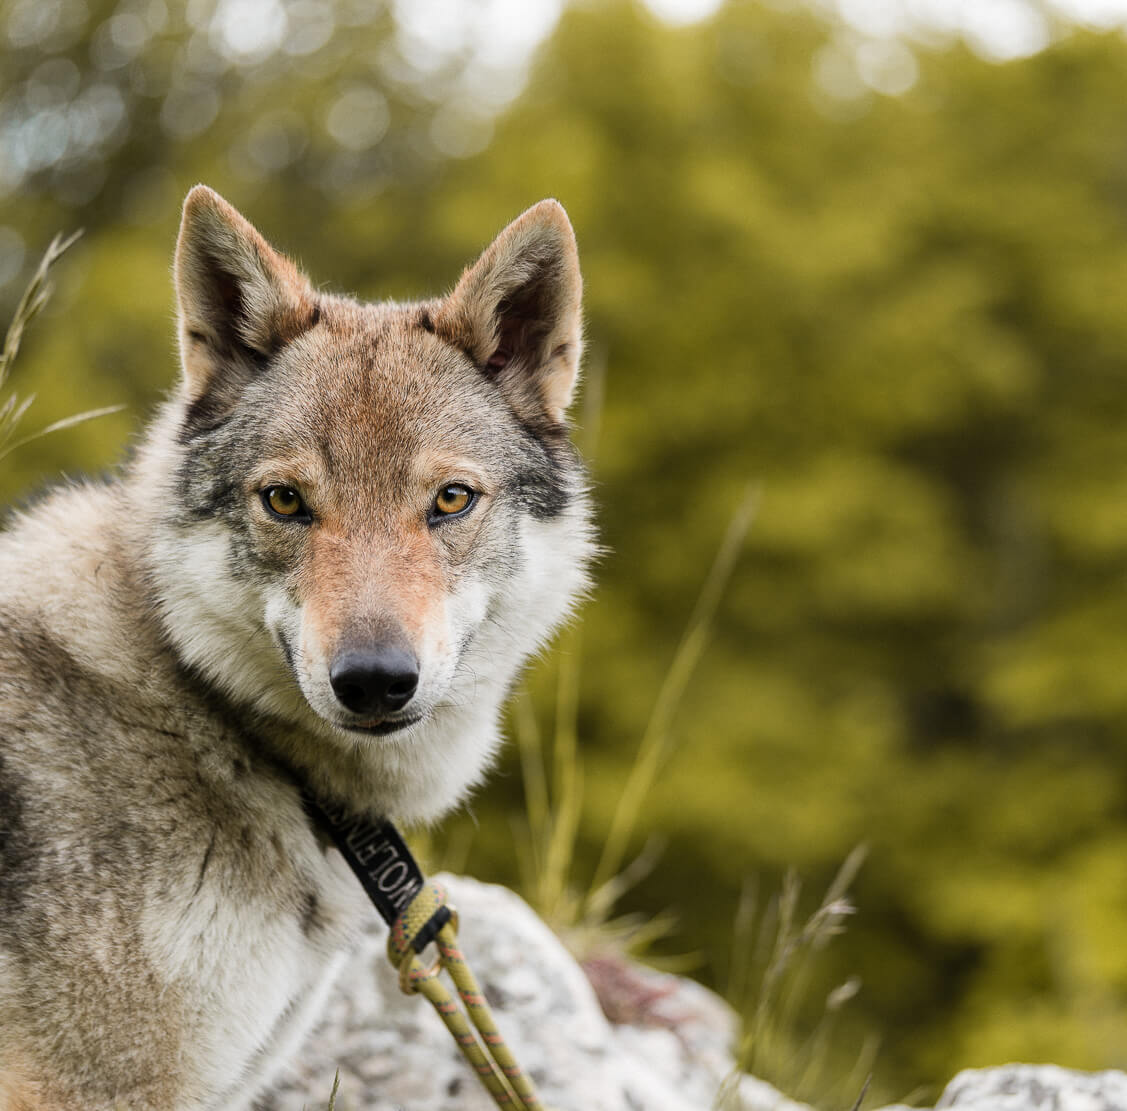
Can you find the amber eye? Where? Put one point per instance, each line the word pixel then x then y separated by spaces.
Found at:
pixel 453 499
pixel 284 501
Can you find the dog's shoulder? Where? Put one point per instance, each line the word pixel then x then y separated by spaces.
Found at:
pixel 73 595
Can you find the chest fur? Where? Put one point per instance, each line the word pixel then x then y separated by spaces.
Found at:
pixel 169 912
pixel 251 949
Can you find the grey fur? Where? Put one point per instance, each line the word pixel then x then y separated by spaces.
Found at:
pixel 169 920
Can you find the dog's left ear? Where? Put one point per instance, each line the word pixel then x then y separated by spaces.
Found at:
pixel 516 312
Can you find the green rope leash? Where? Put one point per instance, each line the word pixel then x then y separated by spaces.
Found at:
pixel 489 1057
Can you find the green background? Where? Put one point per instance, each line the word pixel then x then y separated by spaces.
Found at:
pixel 903 314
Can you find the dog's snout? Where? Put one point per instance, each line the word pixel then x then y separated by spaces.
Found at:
pixel 378 679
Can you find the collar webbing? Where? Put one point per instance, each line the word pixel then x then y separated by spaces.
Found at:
pixel 379 857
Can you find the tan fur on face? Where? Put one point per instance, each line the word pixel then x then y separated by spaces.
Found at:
pixel 388 430
pixel 357 590
pixel 302 469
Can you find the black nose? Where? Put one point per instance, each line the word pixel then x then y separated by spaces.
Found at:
pixel 379 679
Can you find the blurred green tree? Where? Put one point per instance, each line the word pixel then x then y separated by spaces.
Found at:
pixel 901 312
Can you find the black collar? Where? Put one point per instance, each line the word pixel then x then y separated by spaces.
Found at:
pixel 378 855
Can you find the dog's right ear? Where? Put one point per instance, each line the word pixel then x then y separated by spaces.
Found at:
pixel 238 300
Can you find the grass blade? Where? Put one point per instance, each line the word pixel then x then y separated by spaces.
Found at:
pixel 56 426
pixel 654 746
pixel 35 296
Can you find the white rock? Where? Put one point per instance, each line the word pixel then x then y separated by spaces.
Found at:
pixel 1036 1088
pixel 668 1050
pixel 394 1054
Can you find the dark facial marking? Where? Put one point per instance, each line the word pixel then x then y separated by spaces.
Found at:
pixel 287 651
pixel 207 502
pixel 541 494
pixel 208 487
pixel 542 483
pixel 205 414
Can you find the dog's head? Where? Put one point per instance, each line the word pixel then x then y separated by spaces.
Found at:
pixel 372 512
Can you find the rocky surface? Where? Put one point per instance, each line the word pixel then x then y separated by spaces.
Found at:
pixel 1036 1088
pixel 671 1054
pixel 669 1048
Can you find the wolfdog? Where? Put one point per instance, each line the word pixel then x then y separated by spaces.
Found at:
pixel 332 552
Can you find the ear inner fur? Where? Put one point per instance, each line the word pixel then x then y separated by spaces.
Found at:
pixel 516 312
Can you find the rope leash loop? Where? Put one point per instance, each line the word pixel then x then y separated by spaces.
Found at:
pixel 419 923
pixel 427 918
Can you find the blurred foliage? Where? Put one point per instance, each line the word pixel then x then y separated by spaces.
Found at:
pixel 902 313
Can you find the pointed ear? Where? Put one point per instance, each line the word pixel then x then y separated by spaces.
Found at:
pixel 516 312
pixel 239 300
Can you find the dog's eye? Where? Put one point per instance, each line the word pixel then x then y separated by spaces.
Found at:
pixel 452 500
pixel 284 501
